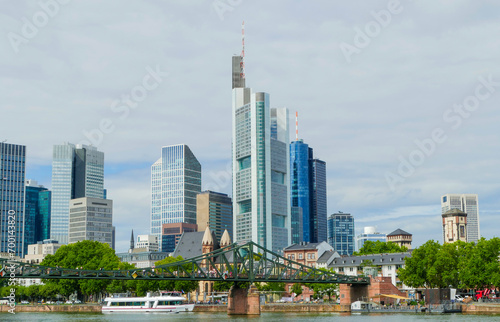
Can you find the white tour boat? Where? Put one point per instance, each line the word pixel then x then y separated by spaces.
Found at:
pixel 170 302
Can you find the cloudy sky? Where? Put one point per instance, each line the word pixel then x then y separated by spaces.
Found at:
pixel 400 98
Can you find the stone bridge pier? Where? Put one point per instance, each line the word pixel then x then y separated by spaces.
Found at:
pixel 353 292
pixel 243 301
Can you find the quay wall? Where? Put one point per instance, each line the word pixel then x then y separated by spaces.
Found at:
pixel 314 308
pixel 52 308
pixel 481 308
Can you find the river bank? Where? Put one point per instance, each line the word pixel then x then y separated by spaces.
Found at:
pixel 82 308
pixel 480 308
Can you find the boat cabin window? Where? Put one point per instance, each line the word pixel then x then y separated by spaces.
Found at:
pixel 128 303
pixel 169 302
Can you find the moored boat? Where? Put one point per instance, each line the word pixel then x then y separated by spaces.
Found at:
pixel 168 302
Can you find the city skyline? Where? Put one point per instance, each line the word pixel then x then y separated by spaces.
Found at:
pixel 397 105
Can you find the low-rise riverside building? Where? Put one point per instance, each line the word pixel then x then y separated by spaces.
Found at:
pixel 306 253
pixel 384 265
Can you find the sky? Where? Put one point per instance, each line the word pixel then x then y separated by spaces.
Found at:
pixel 400 98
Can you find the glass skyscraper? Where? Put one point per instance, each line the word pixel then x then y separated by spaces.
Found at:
pixel 215 210
pixel 341 233
pixel 12 198
pixel 469 204
pixel 308 190
pixel 318 199
pixel 261 197
pixel 77 172
pixel 299 185
pixel 175 182
pixel 37 213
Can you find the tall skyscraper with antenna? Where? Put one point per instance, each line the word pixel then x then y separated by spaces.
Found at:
pixel 308 190
pixel 261 200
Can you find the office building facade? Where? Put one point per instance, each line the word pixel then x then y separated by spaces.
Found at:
pixel 261 197
pixel 37 213
pixel 300 186
pixel 91 219
pixel 469 204
pixel 308 190
pixel 175 182
pixel 12 198
pixel 214 210
pixel 77 172
pixel 297 225
pixel 171 234
pixel 318 200
pixel 149 242
pixel 369 234
pixel 341 233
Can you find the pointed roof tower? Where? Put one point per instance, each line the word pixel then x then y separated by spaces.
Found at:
pixel 131 248
pixel 207 237
pixel 225 239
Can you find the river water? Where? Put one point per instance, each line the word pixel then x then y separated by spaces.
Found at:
pixel 277 317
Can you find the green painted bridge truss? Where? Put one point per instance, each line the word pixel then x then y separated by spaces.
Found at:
pixel 238 263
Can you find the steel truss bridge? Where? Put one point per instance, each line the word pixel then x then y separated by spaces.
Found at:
pixel 237 263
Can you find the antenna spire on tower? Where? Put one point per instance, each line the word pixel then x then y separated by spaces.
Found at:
pixel 242 64
pixel 296 126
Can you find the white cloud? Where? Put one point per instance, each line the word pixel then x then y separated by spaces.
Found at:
pixel 359 117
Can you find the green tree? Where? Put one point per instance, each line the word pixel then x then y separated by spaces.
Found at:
pixel 122 286
pixel 481 267
pixel 297 289
pixel 33 292
pixel 271 287
pixel 419 270
pixel 49 291
pixel 222 286
pixel 379 247
pixel 322 289
pixel 447 264
pixel 90 255
pixel 143 286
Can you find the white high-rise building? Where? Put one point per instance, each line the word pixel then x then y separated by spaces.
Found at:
pixel 467 203
pixel 150 242
pixel 77 172
pixel 261 197
pixel 175 182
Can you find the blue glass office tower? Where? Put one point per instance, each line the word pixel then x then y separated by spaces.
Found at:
pixel 175 182
pixel 12 198
pixel 341 233
pixel 317 193
pixel 308 191
pixel 299 185
pixel 37 214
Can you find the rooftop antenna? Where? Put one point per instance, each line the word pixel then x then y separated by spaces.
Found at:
pixel 296 126
pixel 242 64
